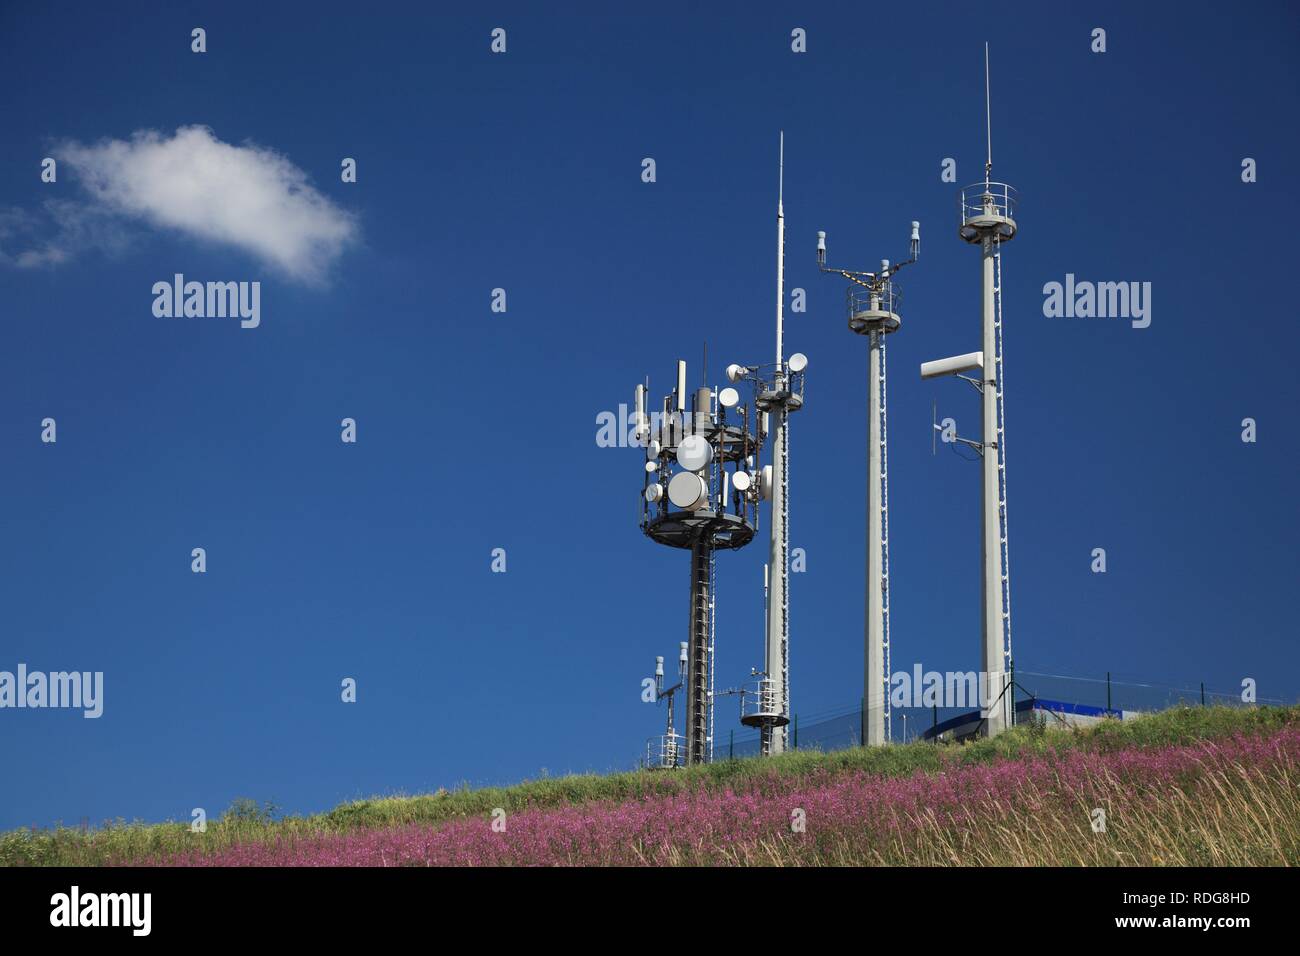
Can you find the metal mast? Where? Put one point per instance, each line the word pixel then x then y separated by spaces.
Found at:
pixel 699 494
pixel 988 211
pixel 872 308
pixel 777 651
pixel 767 706
pixel 989 228
pixel 697 679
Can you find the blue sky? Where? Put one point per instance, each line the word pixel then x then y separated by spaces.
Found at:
pixel 476 430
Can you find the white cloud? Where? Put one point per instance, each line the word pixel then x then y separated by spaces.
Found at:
pixel 245 196
pixel 55 237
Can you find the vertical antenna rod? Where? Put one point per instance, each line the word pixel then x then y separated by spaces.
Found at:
pixel 780 251
pixel 988 116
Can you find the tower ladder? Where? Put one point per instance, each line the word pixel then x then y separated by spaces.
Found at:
pixel 1002 459
pixel 784 479
pixel 882 411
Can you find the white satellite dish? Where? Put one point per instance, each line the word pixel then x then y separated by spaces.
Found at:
pixel 653 493
pixel 741 481
pixel 736 372
pixel 765 483
pixel 688 491
pixel 651 467
pixel 798 362
pixel 694 452
pixel 728 398
pixel 652 450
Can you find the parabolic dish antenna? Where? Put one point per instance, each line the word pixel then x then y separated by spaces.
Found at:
pixel 798 362
pixel 728 398
pixel 693 453
pixel 688 491
pixel 741 481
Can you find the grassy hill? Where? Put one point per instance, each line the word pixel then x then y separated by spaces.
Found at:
pixel 1192 786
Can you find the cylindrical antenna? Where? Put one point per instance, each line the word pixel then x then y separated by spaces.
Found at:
pixel 681 660
pixel 780 188
pixel 821 248
pixel 988 115
pixel 641 430
pixel 659 675
pixel 681 385
pixel 780 256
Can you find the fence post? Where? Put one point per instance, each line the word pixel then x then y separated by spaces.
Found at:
pixel 1107 692
pixel 1013 692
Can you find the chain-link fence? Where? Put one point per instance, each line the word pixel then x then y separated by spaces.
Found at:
pixel 842 727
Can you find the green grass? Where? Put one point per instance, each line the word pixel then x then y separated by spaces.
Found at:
pixel 120 841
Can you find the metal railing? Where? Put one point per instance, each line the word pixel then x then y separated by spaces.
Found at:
pixel 986 200
pixel 760 699
pixel 664 751
pixel 884 299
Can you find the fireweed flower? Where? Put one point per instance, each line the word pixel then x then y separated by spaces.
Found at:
pixel 850 817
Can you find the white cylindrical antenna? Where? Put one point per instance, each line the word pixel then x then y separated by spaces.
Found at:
pixel 659 674
pixel 681 385
pixel 640 408
pixel 780 186
pixel 884 268
pixel 821 248
pixel 726 488
pixel 780 255
pixel 988 114
pixel 916 239
pixel 681 660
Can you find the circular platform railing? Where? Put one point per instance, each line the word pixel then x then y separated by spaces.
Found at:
pixel 987 204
